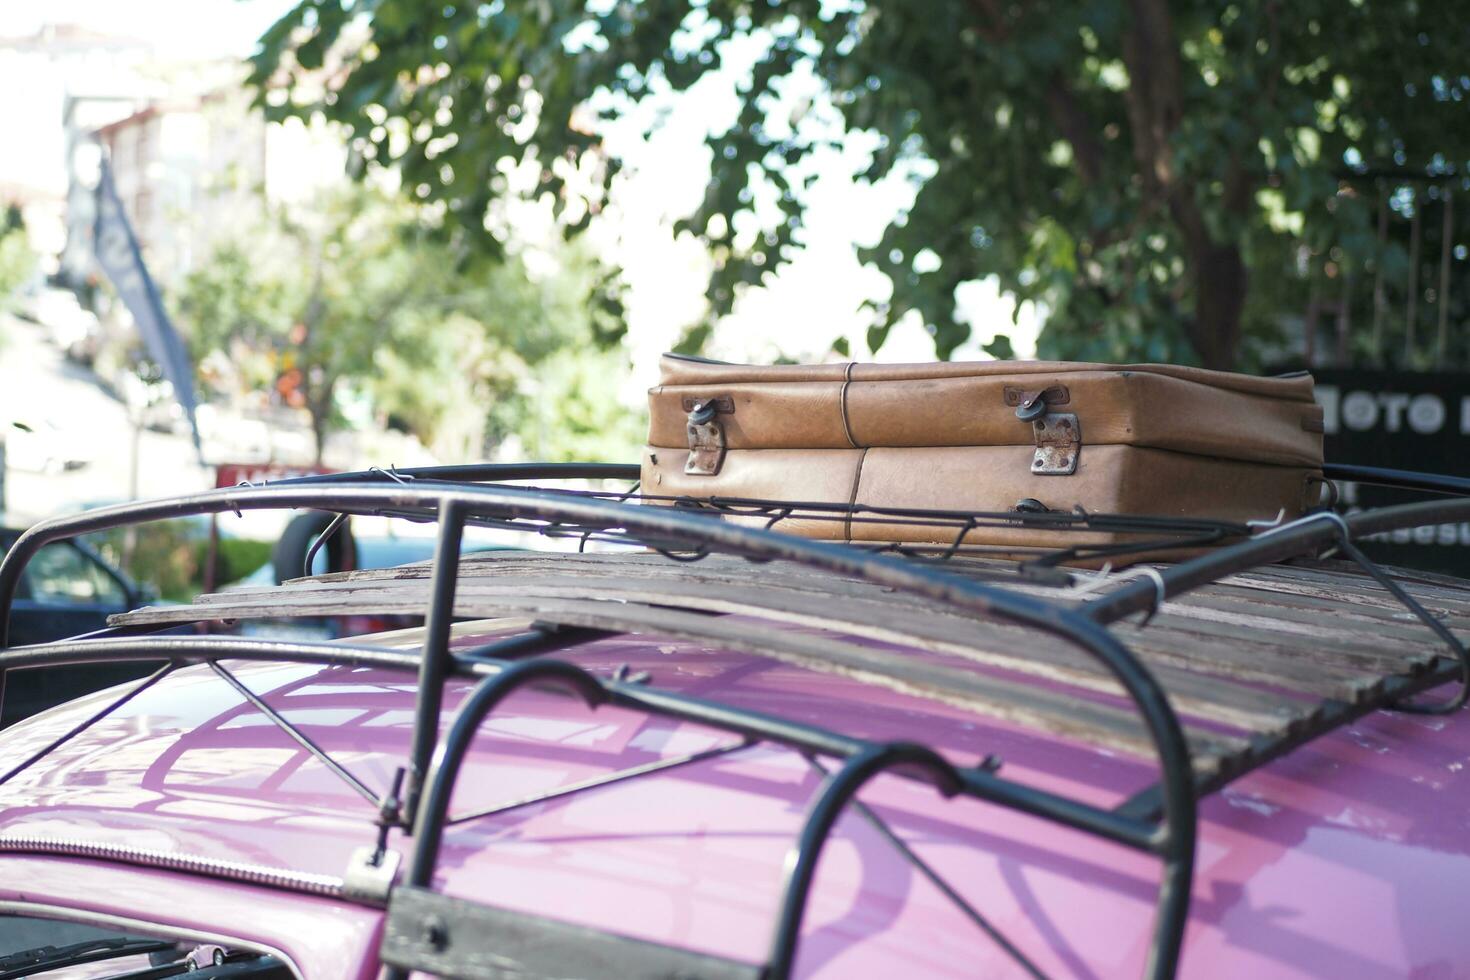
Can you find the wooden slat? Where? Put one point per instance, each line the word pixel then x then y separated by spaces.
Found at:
pixel 1353 587
pixel 1272 652
pixel 1375 612
pixel 1326 673
pixel 1200 682
pixel 1287 668
pixel 1352 591
pixel 1361 651
pixel 1018 703
pixel 989 644
pixel 1410 576
pixel 1256 628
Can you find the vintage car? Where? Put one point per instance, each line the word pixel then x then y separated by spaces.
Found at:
pixel 697 746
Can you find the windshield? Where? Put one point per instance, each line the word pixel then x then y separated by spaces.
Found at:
pixel 59 950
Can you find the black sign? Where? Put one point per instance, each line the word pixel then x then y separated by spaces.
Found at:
pixel 1405 421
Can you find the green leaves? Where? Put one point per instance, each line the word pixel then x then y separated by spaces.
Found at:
pixel 364 303
pixel 17 258
pixel 1100 159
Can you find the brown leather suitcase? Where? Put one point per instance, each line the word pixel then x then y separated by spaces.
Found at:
pixel 995 436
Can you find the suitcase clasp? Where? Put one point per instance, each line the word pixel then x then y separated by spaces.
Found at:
pixel 706 435
pixel 1058 444
pixel 1031 405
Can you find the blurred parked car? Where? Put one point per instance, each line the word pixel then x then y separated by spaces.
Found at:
pixel 342 553
pixel 225 432
pixel 72 328
pixel 38 445
pixel 69 589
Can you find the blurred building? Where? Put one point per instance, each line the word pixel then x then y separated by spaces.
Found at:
pixel 193 159
pixel 192 170
pixel 56 85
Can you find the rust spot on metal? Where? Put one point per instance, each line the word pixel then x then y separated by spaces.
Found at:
pixel 706 448
pixel 1058 444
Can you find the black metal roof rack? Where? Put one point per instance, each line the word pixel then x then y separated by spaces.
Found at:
pixel 421 924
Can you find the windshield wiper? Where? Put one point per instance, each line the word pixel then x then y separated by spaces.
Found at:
pixel 43 958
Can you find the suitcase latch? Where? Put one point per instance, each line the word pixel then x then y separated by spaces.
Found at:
pixel 1033 404
pixel 1058 444
pixel 706 435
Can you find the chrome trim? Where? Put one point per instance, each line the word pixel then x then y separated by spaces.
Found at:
pixel 327 886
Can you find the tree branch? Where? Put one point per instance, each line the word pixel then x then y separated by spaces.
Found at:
pixel 1076 127
pixel 1067 114
pixel 1239 183
pixel 991 21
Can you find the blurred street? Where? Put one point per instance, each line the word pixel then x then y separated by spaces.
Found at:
pixel 40 388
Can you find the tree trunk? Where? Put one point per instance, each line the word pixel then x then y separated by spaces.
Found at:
pixel 319 407
pixel 318 437
pixel 1220 282
pixel 315 382
pixel 1154 103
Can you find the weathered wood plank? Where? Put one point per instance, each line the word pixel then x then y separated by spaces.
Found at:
pixel 1359 650
pixel 1350 649
pixel 995 645
pixel 1328 634
pixel 1008 701
pixel 1358 584
pixel 1003 645
pixel 1388 613
pixel 1323 675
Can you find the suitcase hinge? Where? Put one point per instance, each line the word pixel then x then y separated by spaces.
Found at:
pixel 706 435
pixel 1058 444
pixel 1058 435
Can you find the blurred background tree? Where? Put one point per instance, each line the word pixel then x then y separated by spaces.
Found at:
pixel 17 259
pixel 362 305
pixel 1162 175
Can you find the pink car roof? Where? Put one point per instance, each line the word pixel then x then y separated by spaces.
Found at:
pixel 1346 857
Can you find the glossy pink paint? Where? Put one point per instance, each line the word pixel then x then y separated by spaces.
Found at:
pixel 1350 857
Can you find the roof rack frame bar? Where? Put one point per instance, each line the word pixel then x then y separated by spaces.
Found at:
pixel 540 637
pixel 832 797
pixel 434 662
pixel 295 734
pixel 1306 536
pixel 979 783
pixel 837 790
pixel 1186 532
pixel 432 815
pixel 1147 803
pixel 937 880
pixel 509 472
pixel 607 779
pixel 1399 479
pixel 460 473
pixel 86 723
